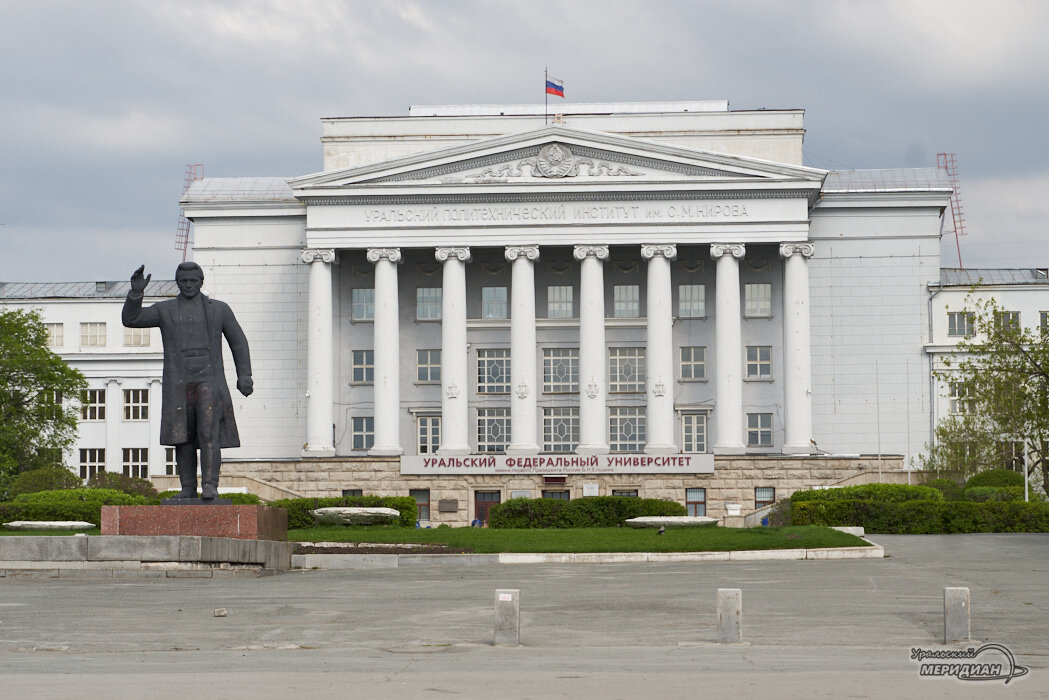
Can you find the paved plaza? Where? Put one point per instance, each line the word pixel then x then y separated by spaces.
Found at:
pixel 810 628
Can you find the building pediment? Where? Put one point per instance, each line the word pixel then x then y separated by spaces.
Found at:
pixel 557 155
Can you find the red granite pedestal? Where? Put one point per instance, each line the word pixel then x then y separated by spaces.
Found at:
pixel 249 522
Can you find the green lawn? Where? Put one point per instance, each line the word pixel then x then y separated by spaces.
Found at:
pixel 615 539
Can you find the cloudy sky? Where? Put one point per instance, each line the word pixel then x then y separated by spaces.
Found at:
pixel 102 104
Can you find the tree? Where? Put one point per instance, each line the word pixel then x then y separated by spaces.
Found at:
pixel 36 425
pixel 999 387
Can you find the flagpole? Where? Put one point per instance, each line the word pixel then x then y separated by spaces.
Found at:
pixel 546 96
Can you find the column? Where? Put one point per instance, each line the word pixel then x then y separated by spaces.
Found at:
pixel 454 373
pixel 797 349
pixel 593 430
pixel 114 420
pixel 659 351
pixel 524 424
pixel 156 450
pixel 320 371
pixel 387 351
pixel 728 346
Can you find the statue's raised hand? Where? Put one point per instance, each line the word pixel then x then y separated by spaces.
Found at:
pixel 138 280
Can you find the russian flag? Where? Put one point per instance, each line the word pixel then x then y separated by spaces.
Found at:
pixel 555 87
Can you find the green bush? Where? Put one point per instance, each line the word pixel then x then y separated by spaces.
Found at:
pixel 66 504
pixel 43 479
pixel 886 493
pixel 982 494
pixel 119 482
pixel 925 517
pixel 951 490
pixel 590 511
pixel 299 508
pixel 996 477
pixel 238 499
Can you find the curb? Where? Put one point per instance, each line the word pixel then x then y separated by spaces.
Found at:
pixel 393 561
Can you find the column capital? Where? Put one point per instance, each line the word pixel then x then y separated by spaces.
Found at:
pixel 581 252
pixel 805 249
pixel 513 252
pixel 651 250
pixel 391 254
pixel 736 250
pixel 312 255
pixel 444 253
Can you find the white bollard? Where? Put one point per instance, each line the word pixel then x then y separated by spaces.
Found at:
pixel 956 618
pixel 507 617
pixel 730 615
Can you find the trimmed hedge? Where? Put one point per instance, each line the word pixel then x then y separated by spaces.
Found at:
pixel 238 499
pixel 886 493
pixel 299 508
pixel 119 482
pixel 982 494
pixel 589 511
pixel 66 504
pixel 43 479
pixel 995 477
pixel 951 490
pixel 925 517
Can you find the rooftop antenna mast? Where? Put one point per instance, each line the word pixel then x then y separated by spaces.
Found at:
pixel 194 172
pixel 948 163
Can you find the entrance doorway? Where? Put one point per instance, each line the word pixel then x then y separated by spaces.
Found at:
pixel 483 502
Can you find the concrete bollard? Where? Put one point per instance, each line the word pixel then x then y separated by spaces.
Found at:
pixel 956 618
pixel 730 615
pixel 507 617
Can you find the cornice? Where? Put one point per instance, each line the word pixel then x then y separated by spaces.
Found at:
pixel 496 197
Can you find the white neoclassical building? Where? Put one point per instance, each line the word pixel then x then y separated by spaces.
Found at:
pixel 469 303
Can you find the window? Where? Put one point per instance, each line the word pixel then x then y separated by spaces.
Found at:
pixel 759 362
pixel 696 502
pixel 626 301
pixel 625 493
pixel 759 430
pixel 556 495
pixel 691 301
pixel 422 503
pixel 352 493
pixel 693 432
pixel 626 370
pixel 559 302
pixel 428 434
pixel 757 300
pixel 362 307
pixel 693 363
pixel 1007 321
pixel 428 366
pixel 493 429
pixel 428 303
pixel 363 367
pixel 960 323
pixel 493 302
pixel 136 337
pixel 92 335
pixel 1010 454
pixel 56 335
pixel 626 428
pixel 136 462
pixel 1043 322
pixel 169 461
pixel 53 401
pixel 560 370
pixel 93 404
pixel 958 393
pixel 362 432
pixel 136 404
pixel 764 496
pixel 92 461
pixel 560 428
pixel 493 371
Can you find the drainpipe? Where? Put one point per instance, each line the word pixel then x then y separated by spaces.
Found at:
pixel 932 379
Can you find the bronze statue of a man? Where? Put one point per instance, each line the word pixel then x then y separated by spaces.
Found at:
pixel 196 411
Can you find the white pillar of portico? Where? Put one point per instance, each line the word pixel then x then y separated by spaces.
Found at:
pixel 728 344
pixel 659 410
pixel 454 378
pixel 797 349
pixel 387 353
pixel 320 371
pixel 593 434
pixel 524 425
